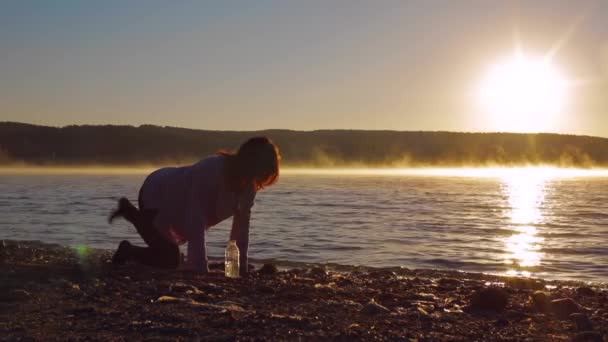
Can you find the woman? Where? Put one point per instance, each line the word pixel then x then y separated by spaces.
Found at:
pixel 178 204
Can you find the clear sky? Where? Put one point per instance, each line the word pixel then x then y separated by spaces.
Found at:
pixel 247 65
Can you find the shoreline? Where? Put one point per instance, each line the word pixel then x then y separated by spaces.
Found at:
pixel 51 291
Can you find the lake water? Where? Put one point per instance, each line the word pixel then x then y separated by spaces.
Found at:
pixel 532 222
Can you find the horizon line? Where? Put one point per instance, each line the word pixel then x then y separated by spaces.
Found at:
pixel 296 130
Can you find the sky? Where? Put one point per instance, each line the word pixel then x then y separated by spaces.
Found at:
pixel 302 65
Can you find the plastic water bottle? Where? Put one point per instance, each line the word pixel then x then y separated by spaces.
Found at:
pixel 232 260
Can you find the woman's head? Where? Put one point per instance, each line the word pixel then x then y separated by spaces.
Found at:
pixel 255 163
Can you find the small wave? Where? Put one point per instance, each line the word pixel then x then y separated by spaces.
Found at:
pixel 577 251
pixel 553 235
pixel 589 215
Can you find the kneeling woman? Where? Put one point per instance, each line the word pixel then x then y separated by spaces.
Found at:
pixel 178 204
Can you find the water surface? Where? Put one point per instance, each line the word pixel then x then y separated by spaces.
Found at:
pixel 531 222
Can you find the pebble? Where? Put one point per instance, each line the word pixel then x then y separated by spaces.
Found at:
pixel 541 301
pixel 563 308
pixel 490 299
pixel 583 323
pixel 168 299
pixel 588 336
pixel 372 308
pixel 268 269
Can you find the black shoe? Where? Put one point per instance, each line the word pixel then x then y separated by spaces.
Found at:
pixel 122 253
pixel 123 206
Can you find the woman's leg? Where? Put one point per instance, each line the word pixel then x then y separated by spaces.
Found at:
pixel 159 253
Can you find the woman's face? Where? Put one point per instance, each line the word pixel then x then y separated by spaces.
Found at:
pixel 261 180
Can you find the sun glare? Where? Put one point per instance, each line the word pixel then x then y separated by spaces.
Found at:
pixel 523 95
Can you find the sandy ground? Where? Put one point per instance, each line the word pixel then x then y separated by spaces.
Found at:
pixel 49 292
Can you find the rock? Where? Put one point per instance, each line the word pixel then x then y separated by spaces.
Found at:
pixel 588 336
pixel 372 308
pixel 421 310
pixel 318 272
pixel 489 299
pixel 184 288
pixel 427 308
pixel 563 308
pixel 268 269
pixel 599 314
pixel 449 283
pixel 168 299
pixel 583 323
pixel 382 274
pixel 352 304
pixel 585 291
pixel 232 306
pixel 424 296
pixel 501 322
pixel 525 283
pixel 541 301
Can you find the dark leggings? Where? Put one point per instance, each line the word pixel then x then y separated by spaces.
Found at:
pixel 160 252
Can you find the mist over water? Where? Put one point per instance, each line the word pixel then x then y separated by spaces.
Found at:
pixel 549 223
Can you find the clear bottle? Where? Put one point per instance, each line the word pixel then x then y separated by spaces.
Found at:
pixel 232 260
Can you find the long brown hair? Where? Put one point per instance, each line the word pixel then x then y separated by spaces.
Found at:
pixel 255 163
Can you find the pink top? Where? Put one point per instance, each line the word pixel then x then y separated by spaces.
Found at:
pixel 190 200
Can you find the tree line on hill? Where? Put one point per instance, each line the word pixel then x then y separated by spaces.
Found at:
pixel 154 145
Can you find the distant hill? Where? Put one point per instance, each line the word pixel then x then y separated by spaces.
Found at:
pixel 128 145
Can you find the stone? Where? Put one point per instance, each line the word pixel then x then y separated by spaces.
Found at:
pixel 588 336
pixel 489 299
pixel 563 308
pixel 585 291
pixel 525 283
pixel 424 296
pixel 382 274
pixel 168 299
pixel 318 272
pixel 449 283
pixel 268 269
pixel 583 323
pixel 541 301
pixel 372 309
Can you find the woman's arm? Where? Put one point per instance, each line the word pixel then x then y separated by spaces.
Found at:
pixel 195 230
pixel 197 250
pixel 240 228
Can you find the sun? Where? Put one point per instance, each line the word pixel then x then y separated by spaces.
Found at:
pixel 523 94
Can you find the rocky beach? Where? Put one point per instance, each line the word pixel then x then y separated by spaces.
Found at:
pixel 52 292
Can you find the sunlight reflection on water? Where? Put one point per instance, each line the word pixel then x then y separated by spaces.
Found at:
pixel 525 193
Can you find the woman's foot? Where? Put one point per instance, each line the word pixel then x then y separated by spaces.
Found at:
pixel 124 206
pixel 122 253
